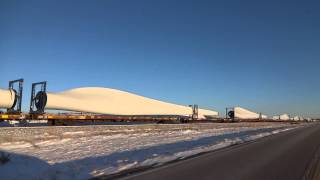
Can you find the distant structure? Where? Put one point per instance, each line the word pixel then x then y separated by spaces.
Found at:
pixel 283 117
pixel 298 118
pixel 242 113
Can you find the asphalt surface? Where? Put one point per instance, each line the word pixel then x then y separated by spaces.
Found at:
pixel 290 155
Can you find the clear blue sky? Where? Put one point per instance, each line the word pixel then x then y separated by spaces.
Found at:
pixel 263 55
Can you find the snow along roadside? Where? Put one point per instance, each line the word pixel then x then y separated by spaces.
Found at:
pixel 31 167
pixel 165 158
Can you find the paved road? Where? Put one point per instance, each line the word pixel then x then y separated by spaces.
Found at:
pixel 284 156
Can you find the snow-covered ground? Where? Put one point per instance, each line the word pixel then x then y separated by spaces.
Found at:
pixel 86 151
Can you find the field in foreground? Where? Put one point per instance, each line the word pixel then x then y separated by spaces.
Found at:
pixel 87 151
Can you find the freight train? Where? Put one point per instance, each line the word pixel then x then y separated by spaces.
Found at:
pixel 92 106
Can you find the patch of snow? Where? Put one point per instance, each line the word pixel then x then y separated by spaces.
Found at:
pixel 84 154
pixel 74 133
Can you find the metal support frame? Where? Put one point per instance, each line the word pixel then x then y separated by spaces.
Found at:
pixel 260 116
pixel 38 98
pixel 229 115
pixel 16 108
pixel 195 111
